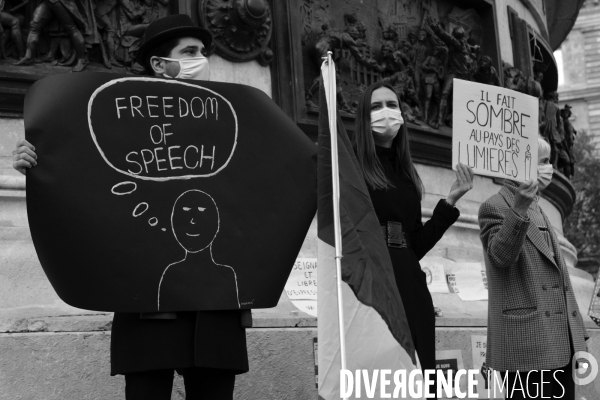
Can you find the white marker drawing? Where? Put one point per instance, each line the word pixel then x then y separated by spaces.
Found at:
pixel 137 213
pixel 213 107
pixel 195 222
pixel 113 190
pixel 528 163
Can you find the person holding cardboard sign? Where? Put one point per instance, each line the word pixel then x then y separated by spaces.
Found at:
pixel 382 149
pixel 208 348
pixel 534 322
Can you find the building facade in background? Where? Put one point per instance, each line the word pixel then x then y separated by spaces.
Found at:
pixel 580 58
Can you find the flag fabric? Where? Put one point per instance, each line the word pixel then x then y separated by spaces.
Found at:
pixel 376 330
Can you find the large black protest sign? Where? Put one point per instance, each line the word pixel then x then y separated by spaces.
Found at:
pixel 165 195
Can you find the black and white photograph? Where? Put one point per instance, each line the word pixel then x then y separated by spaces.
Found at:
pixel 299 199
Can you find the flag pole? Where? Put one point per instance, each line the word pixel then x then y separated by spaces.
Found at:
pixel 332 108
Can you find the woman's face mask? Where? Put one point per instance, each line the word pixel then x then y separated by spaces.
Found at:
pixel 385 123
pixel 545 172
pixel 196 68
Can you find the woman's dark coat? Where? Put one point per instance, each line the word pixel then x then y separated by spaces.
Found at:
pixel 402 204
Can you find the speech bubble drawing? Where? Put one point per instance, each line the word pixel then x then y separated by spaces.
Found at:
pixel 136 210
pixel 116 189
pixel 191 131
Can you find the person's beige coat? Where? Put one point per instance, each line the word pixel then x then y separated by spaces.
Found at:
pixel 532 307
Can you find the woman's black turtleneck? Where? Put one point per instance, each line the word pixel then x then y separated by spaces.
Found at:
pixel 401 203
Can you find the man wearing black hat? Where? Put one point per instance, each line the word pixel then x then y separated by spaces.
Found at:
pixel 208 348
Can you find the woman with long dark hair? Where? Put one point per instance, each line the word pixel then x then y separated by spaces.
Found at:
pixel 381 145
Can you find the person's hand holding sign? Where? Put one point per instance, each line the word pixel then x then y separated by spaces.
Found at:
pixel 463 183
pixel 525 195
pixel 24 156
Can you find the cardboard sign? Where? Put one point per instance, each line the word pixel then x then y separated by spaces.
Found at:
pixel 165 195
pixel 301 286
pixel 495 131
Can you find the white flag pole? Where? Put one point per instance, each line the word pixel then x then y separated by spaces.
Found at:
pixel 329 81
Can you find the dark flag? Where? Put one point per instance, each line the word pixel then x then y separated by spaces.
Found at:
pixel 376 330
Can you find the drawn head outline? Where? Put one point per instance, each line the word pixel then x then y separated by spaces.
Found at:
pixel 195 220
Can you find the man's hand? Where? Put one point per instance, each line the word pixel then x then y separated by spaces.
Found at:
pixel 24 156
pixel 526 193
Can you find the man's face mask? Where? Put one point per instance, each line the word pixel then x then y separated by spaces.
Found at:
pixel 196 68
pixel 386 121
pixel 545 172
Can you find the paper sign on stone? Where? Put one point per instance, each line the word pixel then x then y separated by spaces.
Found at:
pixel 495 131
pixel 469 281
pixel 159 194
pixel 485 381
pixel 435 276
pixel 301 286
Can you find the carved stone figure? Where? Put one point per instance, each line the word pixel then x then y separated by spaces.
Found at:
pixel 486 73
pixel 402 82
pixel 330 40
pixel 390 61
pixel 566 163
pixel 68 13
pixel 433 73
pixel 409 48
pixel 13 24
pixel 538 77
pixel 513 78
pixel 241 28
pixel 554 127
pixel 460 63
pixel 131 20
pixel 346 39
pixel 421 49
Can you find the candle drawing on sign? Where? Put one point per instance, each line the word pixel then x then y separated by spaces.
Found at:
pixel 195 223
pixel 528 163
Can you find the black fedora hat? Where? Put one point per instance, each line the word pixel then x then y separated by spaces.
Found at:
pixel 167 28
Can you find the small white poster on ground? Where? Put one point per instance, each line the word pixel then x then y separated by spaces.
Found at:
pixel 495 131
pixel 485 381
pixel 468 281
pixel 301 286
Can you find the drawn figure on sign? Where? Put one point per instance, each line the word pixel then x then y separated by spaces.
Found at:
pixel 195 222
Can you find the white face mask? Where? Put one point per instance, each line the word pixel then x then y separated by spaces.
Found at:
pixel 196 68
pixel 386 122
pixel 545 172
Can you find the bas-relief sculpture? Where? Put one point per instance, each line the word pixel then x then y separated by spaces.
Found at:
pixel 241 28
pixel 107 33
pixel 416 46
pixel 74 33
pixel 419 47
